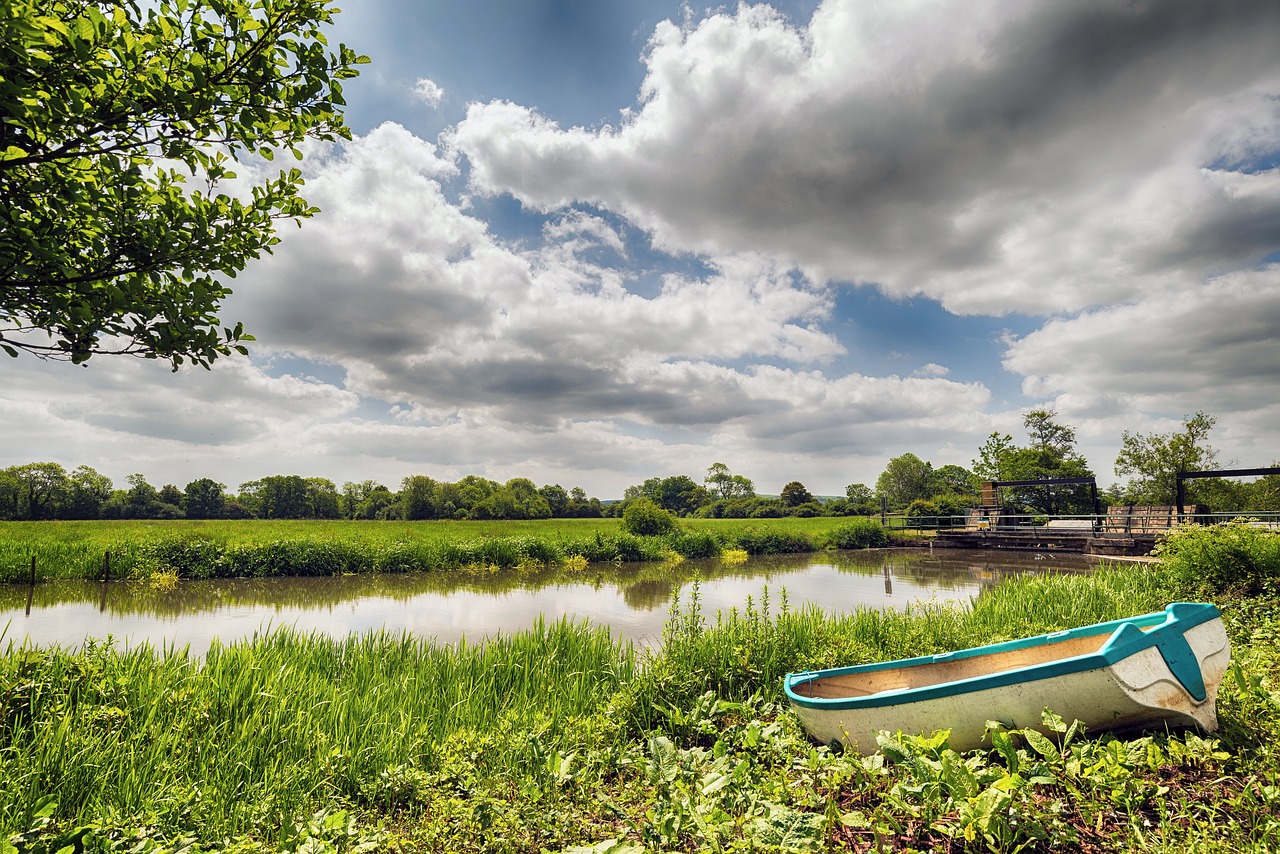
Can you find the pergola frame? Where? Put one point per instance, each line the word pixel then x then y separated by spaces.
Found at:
pixel 1191 475
pixel 1059 481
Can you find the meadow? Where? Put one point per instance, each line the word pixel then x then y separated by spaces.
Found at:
pixel 258 548
pixel 558 739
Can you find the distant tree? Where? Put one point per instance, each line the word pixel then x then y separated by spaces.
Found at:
pixel 38 490
pixel 142 501
pixel 418 498
pixel 204 498
pixel 956 480
pixel 726 485
pixel 1047 434
pixel 557 499
pixel 648 489
pixel 277 496
pixel 87 492
pixel 470 492
pixel 680 495
pixel 1265 492
pixel 858 493
pixel 794 494
pixel 989 465
pixel 1155 459
pixel 380 503
pixel 354 495
pixel 529 503
pixel 905 479
pixel 1051 455
pixel 323 501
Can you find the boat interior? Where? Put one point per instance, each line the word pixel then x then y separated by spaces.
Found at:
pixel 942 670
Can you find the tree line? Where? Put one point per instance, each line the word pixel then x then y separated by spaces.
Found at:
pixel 38 491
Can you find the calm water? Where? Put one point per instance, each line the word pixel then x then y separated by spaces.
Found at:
pixel 632 600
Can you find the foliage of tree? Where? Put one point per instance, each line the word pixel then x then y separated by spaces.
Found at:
pixel 794 494
pixel 955 479
pixel 87 492
pixel 1051 454
pixel 1155 459
pixel 726 485
pixel 557 499
pixel 905 479
pixel 991 456
pixel 121 122
pixel 291 496
pixel 204 498
pixel 418 498
pixel 38 490
pixel 645 518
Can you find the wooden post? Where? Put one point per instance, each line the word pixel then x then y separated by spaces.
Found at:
pixel 31 588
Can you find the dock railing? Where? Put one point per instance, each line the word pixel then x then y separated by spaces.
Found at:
pixel 1119 521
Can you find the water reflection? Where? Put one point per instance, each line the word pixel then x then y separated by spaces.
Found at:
pixel 633 600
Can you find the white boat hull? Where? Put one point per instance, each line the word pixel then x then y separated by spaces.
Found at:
pixel 1137 691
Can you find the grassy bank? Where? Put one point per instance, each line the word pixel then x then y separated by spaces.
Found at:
pixel 255 549
pixel 558 739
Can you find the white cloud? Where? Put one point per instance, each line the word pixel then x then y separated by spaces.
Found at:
pixel 1036 157
pixel 428 91
pixel 1105 165
pixel 1143 366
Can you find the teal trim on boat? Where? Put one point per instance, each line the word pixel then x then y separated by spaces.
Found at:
pixel 1162 630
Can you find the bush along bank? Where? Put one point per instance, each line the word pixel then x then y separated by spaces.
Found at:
pixel 560 740
pixel 328 552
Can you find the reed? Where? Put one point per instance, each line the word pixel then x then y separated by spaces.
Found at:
pixel 253 732
pixel 505 745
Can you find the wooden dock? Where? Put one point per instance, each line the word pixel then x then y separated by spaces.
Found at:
pixel 1029 538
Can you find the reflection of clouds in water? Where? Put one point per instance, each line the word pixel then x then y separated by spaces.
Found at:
pixel 634 609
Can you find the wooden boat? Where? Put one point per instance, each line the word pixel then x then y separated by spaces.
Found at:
pixel 1156 670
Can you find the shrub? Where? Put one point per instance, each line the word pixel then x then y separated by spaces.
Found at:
pixel 646 519
pixel 861 533
pixel 694 544
pixel 1233 556
pixel 757 542
pixel 921 513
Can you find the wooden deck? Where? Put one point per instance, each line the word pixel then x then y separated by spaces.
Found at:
pixel 1047 539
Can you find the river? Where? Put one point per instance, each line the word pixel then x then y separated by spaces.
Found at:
pixel 633 600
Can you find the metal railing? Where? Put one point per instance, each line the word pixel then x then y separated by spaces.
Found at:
pixel 1122 524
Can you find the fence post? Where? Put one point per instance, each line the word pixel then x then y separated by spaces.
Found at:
pixel 31 588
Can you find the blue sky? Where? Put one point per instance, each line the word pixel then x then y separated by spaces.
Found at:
pixel 590 243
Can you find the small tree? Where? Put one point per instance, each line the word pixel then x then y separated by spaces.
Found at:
pixel 646 519
pixel 204 498
pixel 794 494
pixel 1155 459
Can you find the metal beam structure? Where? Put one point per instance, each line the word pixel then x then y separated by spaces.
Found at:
pixel 1058 481
pixel 1191 475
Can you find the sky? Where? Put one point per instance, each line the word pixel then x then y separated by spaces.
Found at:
pixel 591 243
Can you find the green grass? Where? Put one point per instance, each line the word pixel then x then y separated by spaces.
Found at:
pixel 559 740
pixel 203 549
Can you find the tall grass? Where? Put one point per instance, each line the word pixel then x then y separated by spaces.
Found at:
pixel 559 736
pixel 254 733
pixel 259 549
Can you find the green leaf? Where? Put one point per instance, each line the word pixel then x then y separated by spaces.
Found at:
pixel 1053 721
pixel 1040 744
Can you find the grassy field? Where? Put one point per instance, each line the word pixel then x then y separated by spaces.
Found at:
pixel 560 740
pixel 199 549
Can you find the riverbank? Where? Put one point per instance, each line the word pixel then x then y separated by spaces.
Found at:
pixel 259 549
pixel 561 739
